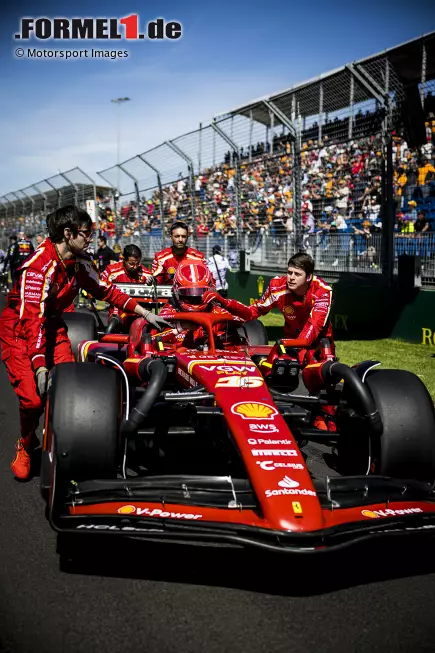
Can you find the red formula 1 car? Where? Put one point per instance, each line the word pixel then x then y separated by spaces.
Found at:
pixel 200 445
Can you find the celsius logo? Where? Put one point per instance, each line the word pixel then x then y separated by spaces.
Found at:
pixel 64 29
pixel 271 465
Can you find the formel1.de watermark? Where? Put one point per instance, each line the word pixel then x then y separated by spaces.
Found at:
pixel 92 29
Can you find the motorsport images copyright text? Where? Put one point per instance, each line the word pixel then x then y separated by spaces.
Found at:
pixel 91 29
pixel 92 53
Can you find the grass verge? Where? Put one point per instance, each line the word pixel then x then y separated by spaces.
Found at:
pixel 393 354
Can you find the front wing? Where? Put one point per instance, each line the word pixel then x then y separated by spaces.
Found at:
pixel 225 511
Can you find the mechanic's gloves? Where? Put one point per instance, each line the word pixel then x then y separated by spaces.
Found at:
pixel 157 322
pixel 41 381
pixel 213 296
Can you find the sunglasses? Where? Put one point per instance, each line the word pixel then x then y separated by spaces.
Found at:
pixel 86 233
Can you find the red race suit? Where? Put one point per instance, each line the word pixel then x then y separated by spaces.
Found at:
pixel 304 317
pixel 165 263
pixel 32 332
pixel 117 273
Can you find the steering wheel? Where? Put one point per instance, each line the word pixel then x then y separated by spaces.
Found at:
pixel 205 320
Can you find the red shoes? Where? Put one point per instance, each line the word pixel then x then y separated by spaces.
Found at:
pixel 324 423
pixel 21 463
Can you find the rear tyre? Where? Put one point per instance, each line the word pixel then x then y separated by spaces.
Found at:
pixel 81 327
pixel 406 448
pixel 84 418
pixel 255 332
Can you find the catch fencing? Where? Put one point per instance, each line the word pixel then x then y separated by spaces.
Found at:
pixel 312 168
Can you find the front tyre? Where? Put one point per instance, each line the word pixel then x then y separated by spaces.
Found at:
pixel 85 413
pixel 406 448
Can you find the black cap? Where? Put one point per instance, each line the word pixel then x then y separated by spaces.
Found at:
pixel 217 249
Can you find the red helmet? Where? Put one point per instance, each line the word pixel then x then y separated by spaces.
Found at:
pixel 191 282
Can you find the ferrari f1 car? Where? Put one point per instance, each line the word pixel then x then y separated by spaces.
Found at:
pixel 208 444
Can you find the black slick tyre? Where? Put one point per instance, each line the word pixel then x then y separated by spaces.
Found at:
pixel 81 327
pixel 84 418
pixel 406 448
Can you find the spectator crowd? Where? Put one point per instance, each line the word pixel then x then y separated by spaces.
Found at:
pixel 341 189
pixel 341 192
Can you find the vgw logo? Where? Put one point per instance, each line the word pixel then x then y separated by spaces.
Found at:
pixel 64 29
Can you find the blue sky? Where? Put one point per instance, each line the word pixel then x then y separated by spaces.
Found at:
pixel 55 115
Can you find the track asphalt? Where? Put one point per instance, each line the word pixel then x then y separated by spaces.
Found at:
pixel 156 598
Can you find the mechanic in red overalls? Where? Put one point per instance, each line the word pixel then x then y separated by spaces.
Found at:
pixel 33 335
pixel 191 283
pixel 166 262
pixel 305 300
pixel 129 270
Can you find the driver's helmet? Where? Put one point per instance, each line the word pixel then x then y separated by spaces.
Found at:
pixel 191 282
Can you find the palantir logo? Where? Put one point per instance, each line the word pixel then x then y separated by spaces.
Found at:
pixel 127 27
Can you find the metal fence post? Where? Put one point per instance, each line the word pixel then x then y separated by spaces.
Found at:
pixel 136 188
pixel 237 184
pixel 423 72
pixel 31 200
pixel 23 208
pixel 320 111
pixel 200 147
pixel 388 217
pixel 297 187
pixel 297 170
pixel 63 174
pixel 189 162
pixel 43 195
pixel 92 182
pixel 115 192
pixel 14 211
pixel 57 191
pixel 272 126
pixel 251 129
pixel 159 184
pixel 351 102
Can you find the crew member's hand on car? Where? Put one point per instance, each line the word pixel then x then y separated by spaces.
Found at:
pixel 155 321
pixel 41 380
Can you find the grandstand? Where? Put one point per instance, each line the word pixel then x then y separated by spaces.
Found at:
pixel 332 166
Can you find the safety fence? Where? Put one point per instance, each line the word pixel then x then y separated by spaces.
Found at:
pixel 333 254
pixel 301 166
pixel 27 208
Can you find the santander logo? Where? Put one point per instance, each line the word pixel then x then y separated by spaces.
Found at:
pixel 288 482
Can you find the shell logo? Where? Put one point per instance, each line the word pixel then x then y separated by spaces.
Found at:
pixel 288 310
pixel 254 410
pixel 126 510
pixel 171 270
pixel 370 513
